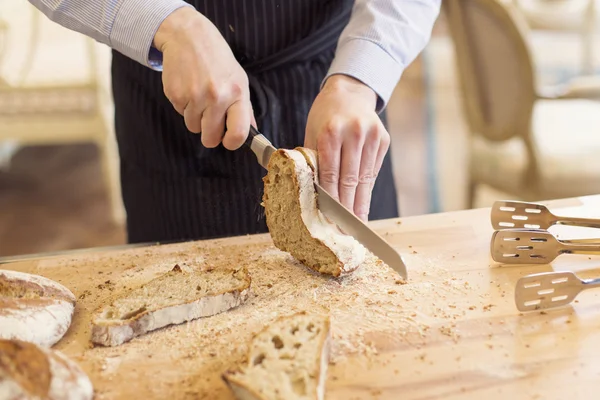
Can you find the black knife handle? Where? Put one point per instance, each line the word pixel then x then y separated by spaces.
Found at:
pixel 253 133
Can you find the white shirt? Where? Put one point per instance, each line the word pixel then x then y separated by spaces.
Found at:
pixel 382 38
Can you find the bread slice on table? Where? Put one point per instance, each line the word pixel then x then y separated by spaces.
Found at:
pixel 29 371
pixel 34 308
pixel 172 298
pixel 286 360
pixel 295 223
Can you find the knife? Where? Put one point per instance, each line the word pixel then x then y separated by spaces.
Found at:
pixel 346 220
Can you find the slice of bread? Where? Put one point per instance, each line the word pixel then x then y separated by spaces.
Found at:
pixel 295 223
pixel 28 371
pixel 286 360
pixel 172 298
pixel 34 308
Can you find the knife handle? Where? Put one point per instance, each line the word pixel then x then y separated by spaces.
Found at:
pixel 253 133
pixel 260 146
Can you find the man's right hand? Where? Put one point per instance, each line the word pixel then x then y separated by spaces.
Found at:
pixel 203 80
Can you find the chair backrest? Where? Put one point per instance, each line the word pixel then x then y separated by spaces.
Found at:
pixel 494 66
pixel 32 51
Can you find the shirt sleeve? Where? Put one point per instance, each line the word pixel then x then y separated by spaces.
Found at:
pixel 381 39
pixel 127 26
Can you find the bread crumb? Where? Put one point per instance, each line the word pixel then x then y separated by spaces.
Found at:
pixel 488 307
pixel 400 282
pixel 392 292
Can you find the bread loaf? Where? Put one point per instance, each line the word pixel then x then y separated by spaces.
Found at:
pixel 172 298
pixel 34 308
pixel 295 223
pixel 287 360
pixel 28 371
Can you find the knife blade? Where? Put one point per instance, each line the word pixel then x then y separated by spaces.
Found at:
pixel 335 211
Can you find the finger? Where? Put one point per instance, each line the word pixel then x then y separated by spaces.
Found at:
pixel 366 177
pixel 192 116
pixel 213 126
pixel 329 148
pixel 238 124
pixel 176 97
pixel 179 107
pixel 350 167
pixel 384 146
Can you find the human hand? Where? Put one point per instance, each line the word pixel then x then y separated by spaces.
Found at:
pixel 350 140
pixel 203 80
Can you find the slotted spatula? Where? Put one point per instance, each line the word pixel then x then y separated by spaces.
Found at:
pixel 525 246
pixel 550 289
pixel 523 215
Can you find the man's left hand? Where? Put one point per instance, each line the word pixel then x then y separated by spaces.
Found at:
pixel 350 139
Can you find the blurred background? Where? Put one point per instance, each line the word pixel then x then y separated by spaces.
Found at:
pixel 504 102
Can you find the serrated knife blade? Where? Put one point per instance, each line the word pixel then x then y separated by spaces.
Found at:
pixel 346 220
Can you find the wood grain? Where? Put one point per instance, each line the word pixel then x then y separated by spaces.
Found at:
pixel 451 332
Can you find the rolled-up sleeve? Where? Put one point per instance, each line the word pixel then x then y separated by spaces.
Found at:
pixel 127 26
pixel 381 39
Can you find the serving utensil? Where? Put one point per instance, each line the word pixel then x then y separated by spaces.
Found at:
pixel 550 289
pixel 524 215
pixel 524 246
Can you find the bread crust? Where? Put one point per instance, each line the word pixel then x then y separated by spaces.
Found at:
pixel 243 391
pixel 34 308
pixel 118 331
pixel 28 371
pixel 347 252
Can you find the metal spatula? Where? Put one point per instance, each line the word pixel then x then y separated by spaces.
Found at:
pixel 518 214
pixel 550 289
pixel 524 246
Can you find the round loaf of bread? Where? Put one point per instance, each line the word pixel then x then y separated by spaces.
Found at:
pixel 28 371
pixel 33 308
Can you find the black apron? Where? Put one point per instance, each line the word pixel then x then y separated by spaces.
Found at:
pixel 176 189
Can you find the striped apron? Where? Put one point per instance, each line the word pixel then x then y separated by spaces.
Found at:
pixel 174 188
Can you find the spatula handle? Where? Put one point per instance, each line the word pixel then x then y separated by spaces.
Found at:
pixel 580 248
pixel 575 221
pixel 590 283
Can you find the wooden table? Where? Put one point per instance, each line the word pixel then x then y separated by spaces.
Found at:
pixel 451 332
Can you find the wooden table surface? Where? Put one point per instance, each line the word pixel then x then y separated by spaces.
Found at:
pixel 451 332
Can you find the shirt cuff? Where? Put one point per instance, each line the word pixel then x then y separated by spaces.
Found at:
pixel 369 63
pixel 136 24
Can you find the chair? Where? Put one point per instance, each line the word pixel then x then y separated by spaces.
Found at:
pixel 58 113
pixel 564 15
pixel 531 143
